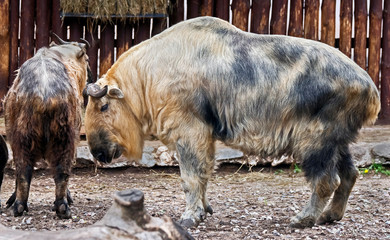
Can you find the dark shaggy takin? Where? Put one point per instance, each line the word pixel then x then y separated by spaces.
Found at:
pixel 43 119
pixel 3 159
pixel 204 80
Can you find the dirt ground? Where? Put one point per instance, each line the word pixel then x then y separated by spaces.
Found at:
pixel 254 204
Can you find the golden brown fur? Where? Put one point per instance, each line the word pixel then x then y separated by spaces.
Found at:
pixel 205 80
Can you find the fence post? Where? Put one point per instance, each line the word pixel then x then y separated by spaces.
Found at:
pixel 328 22
pixel 360 33
pixel 141 30
pixel 106 48
pixel 193 8
pixel 222 9
pixel 91 35
pixel 311 19
pixel 56 22
pixel 43 23
pixel 260 16
pixel 14 43
pixel 124 37
pixel 295 26
pixel 279 17
pixel 385 76
pixel 375 40
pixel 177 12
pixel 159 25
pixel 207 8
pixel 4 46
pixel 27 30
pixel 240 17
pixel 346 27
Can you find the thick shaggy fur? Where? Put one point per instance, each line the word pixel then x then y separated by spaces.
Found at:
pixel 204 80
pixel 43 119
pixel 3 159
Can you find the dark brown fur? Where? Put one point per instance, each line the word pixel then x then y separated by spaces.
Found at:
pixel 43 119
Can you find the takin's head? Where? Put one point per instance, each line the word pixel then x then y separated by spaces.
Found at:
pixel 111 126
pixel 74 56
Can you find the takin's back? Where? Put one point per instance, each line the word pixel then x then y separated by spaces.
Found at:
pixel 250 87
pixel 42 102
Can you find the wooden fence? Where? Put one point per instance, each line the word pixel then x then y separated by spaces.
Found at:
pixel 24 31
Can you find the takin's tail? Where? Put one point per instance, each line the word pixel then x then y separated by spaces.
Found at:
pixel 373 107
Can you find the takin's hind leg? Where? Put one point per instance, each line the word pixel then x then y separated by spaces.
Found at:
pixel 322 189
pixel 348 175
pixel 61 204
pixel 319 166
pixel 196 166
pixel 23 182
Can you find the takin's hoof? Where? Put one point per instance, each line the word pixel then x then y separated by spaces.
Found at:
pixel 209 209
pixel 62 209
pixel 19 208
pixel 188 223
pixel 302 222
pixel 328 217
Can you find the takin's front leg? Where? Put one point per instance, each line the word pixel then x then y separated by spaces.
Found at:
pixel 196 166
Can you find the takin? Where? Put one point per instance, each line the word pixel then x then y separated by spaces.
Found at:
pixel 204 80
pixel 43 119
pixel 3 159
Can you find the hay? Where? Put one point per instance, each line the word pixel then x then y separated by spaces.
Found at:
pixel 105 10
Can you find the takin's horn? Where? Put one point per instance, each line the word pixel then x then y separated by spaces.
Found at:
pixel 59 39
pixel 95 91
pixel 86 42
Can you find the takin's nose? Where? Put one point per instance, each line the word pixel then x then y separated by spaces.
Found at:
pixel 101 156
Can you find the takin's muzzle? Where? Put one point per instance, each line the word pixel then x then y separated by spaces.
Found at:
pixel 102 148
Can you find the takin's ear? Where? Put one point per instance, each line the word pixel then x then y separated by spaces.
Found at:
pixel 115 92
pixel 52 44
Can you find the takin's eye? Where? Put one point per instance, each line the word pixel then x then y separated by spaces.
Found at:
pixel 104 107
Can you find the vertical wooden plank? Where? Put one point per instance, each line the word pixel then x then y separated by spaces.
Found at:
pixel 328 22
pixel 385 70
pixel 260 16
pixel 346 27
pixel 207 8
pixel 56 22
pixel 124 37
pixel 375 40
pixel 4 46
pixel 91 35
pixel 193 8
pixel 177 13
pixel 27 30
pixel 240 16
pixel 311 19
pixel 14 28
pixel 76 29
pixel 43 23
pixel 159 25
pixel 360 33
pixel 295 26
pixel 141 30
pixel 106 48
pixel 222 9
pixel 279 17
